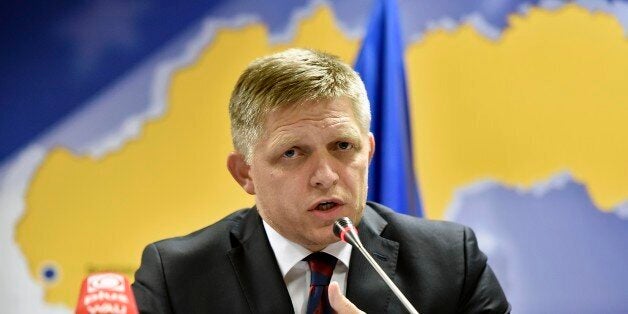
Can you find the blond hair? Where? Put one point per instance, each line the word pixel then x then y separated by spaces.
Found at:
pixel 289 78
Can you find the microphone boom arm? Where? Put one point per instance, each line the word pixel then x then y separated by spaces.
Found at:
pixel 344 229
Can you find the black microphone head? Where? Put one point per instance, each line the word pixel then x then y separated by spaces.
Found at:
pixel 341 224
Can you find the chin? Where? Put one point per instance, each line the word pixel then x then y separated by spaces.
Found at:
pixel 330 239
pixel 324 239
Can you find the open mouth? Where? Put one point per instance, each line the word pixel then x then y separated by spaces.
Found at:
pixel 327 209
pixel 325 206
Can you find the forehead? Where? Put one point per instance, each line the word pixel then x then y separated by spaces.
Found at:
pixel 336 114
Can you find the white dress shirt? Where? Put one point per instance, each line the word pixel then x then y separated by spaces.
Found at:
pixel 296 272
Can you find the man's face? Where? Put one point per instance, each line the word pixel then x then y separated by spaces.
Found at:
pixel 309 168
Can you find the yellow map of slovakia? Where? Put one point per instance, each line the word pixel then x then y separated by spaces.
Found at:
pixel 548 96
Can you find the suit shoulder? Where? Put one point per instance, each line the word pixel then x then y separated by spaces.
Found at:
pixel 413 224
pixel 445 255
pixel 442 236
pixel 212 237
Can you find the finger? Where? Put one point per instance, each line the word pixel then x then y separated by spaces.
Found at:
pixel 339 302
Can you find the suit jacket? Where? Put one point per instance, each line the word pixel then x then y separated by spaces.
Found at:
pixel 229 267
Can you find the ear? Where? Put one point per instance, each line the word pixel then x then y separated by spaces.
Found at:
pixel 241 171
pixel 372 146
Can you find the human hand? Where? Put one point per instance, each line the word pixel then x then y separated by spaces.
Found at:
pixel 339 302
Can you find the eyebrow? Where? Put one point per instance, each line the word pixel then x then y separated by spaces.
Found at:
pixel 350 133
pixel 283 141
pixel 289 140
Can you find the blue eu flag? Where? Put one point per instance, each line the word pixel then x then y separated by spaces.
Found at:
pixel 380 64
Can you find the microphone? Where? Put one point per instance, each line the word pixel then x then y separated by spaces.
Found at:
pixel 106 293
pixel 347 232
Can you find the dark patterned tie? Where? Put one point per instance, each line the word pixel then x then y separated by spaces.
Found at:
pixel 321 268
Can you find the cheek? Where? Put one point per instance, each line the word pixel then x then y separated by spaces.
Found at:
pixel 278 186
pixel 357 174
pixel 273 174
pixel 267 179
pixel 359 168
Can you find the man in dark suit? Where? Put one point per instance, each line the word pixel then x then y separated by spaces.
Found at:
pixel 300 126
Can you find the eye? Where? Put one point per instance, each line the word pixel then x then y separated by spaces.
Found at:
pixel 344 145
pixel 291 153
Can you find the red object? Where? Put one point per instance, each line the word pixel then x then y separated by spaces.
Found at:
pixel 344 230
pixel 321 269
pixel 106 293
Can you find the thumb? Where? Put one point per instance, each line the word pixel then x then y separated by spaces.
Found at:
pixel 339 302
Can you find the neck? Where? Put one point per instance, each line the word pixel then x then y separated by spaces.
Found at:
pixel 314 248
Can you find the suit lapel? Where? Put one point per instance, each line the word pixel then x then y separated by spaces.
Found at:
pixel 364 286
pixel 256 267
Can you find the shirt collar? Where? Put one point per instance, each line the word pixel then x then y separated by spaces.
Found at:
pixel 289 253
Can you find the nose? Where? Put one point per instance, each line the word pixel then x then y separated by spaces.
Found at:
pixel 324 176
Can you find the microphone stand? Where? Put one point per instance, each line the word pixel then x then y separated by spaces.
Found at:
pixel 344 228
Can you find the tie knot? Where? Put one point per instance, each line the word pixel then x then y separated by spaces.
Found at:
pixel 322 267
